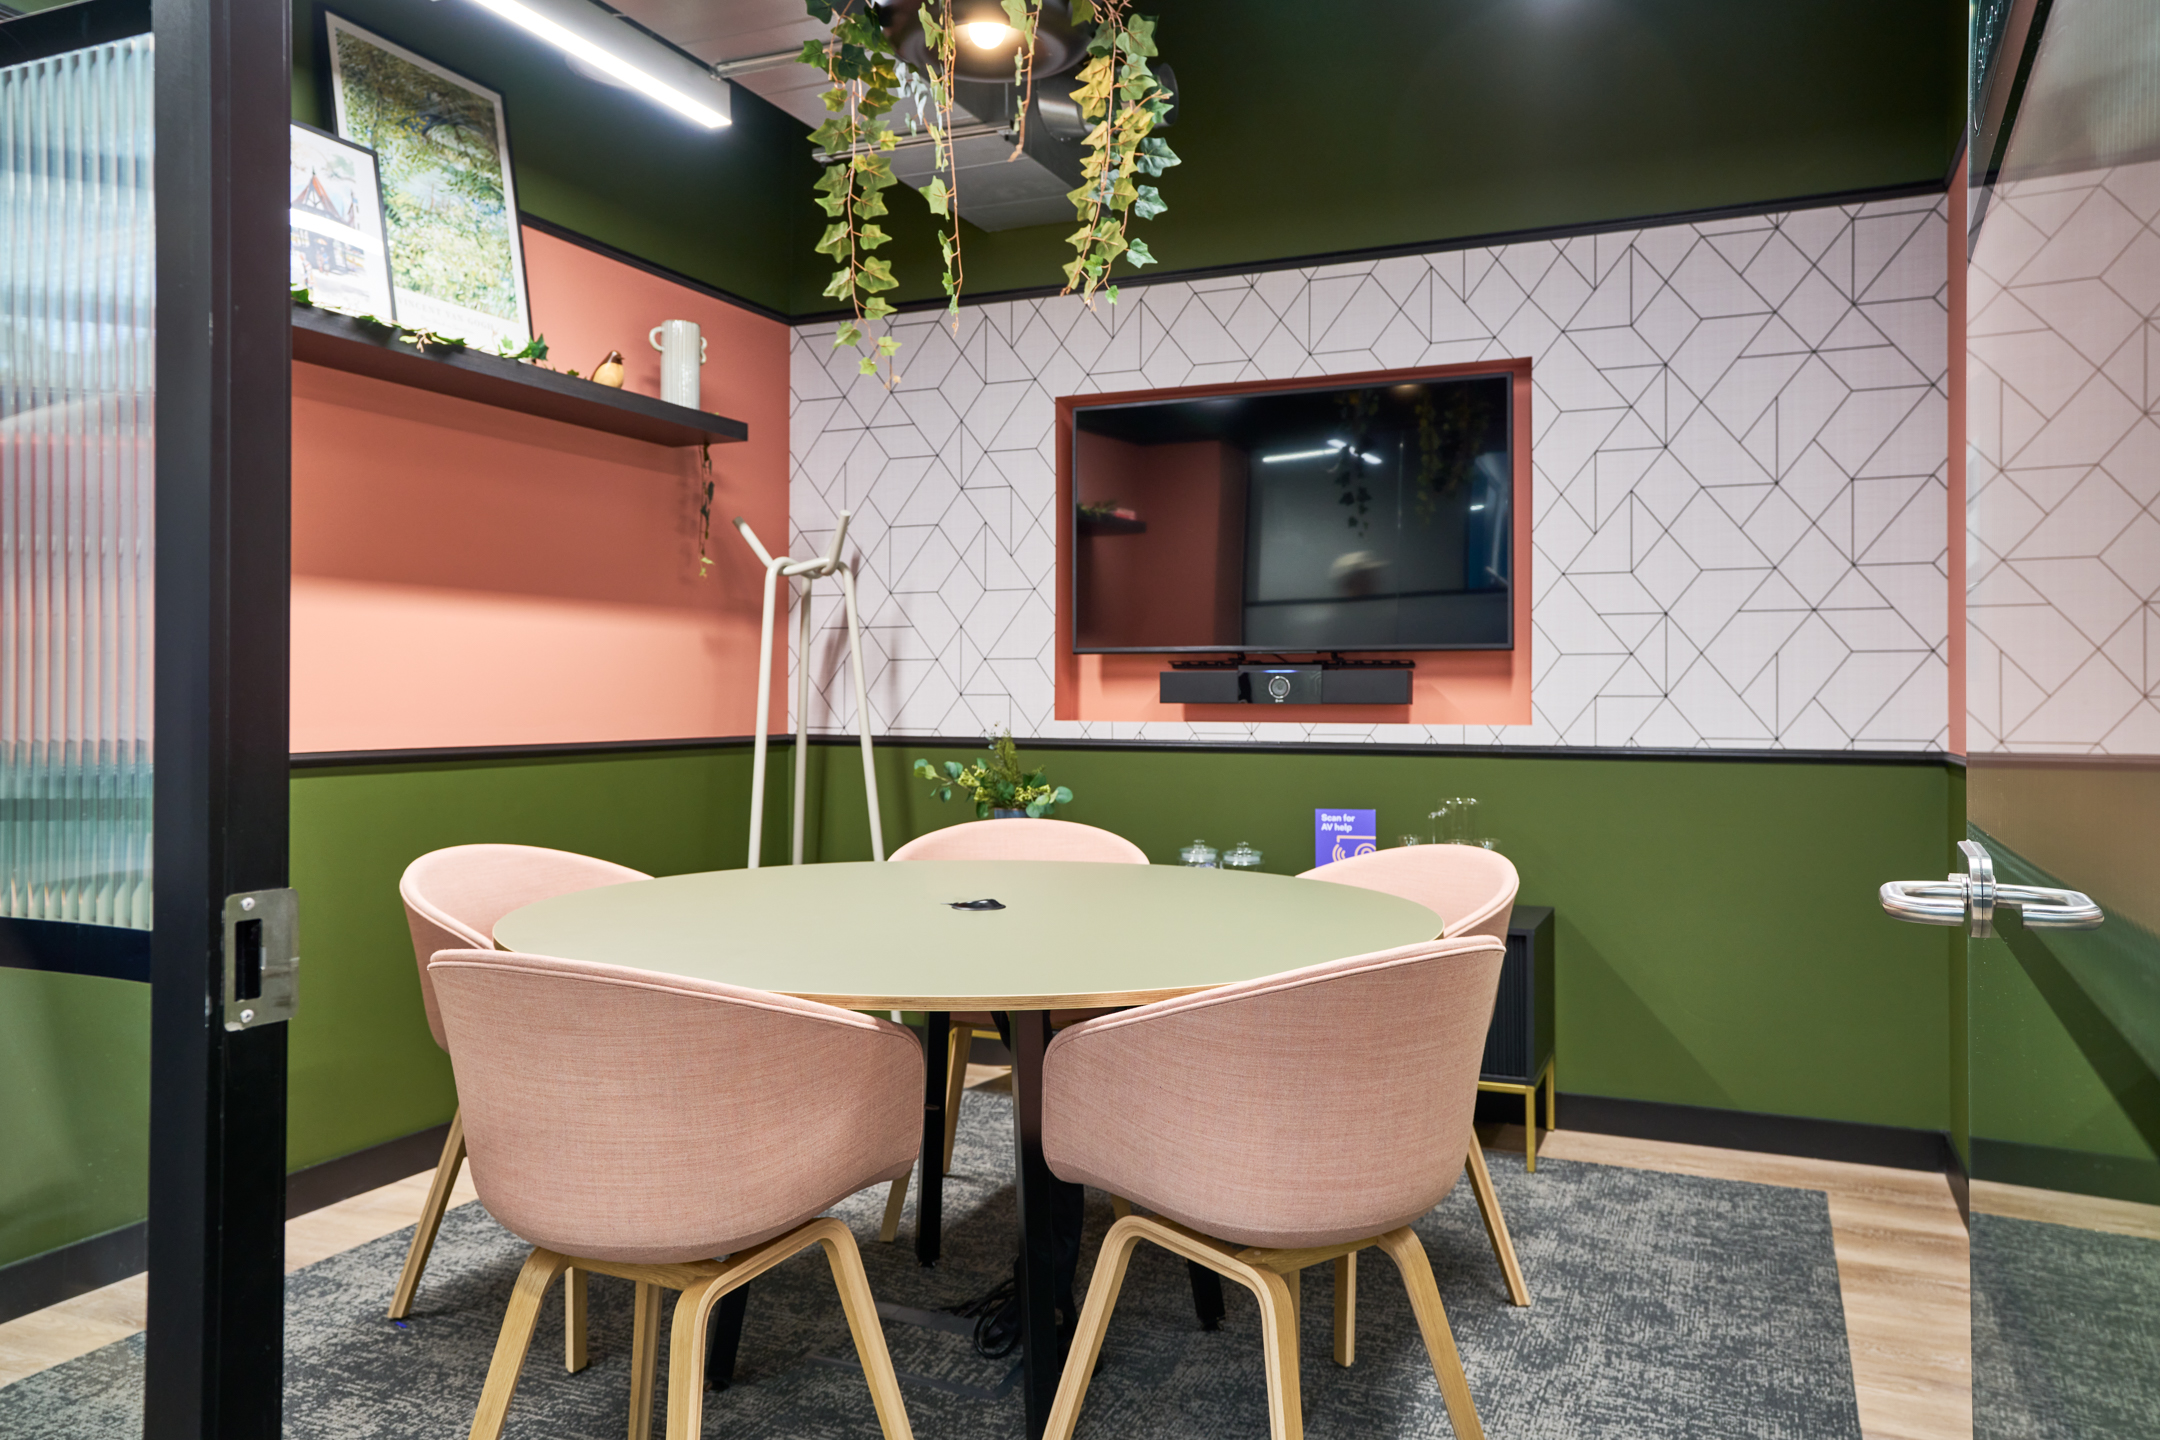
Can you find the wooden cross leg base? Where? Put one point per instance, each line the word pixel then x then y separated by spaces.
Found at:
pixel 1272 1277
pixel 702 1284
pixel 430 1224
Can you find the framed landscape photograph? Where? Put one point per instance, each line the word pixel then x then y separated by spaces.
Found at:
pixel 457 265
pixel 340 252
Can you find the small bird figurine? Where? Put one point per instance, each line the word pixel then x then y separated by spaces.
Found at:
pixel 610 371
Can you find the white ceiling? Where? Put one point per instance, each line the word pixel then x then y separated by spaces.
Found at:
pixel 737 30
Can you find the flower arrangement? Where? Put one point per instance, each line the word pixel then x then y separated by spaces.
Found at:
pixel 998 783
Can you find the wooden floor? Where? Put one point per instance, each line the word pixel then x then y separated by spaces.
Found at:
pixel 1900 1256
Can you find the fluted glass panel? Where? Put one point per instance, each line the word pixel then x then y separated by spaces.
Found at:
pixel 76 450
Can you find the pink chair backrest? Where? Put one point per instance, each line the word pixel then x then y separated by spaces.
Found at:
pixel 1308 1108
pixel 1022 840
pixel 454 897
pixel 1472 888
pixel 623 1115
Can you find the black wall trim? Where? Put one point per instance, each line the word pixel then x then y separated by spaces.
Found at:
pixel 63 947
pixel 111 1257
pixel 451 755
pixel 673 277
pixel 73 1270
pixel 1764 1134
pixel 102 1260
pixel 33 36
pixel 1437 247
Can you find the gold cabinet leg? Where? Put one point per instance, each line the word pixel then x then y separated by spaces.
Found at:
pixel 957 1049
pixel 1404 1248
pixel 1488 1204
pixel 864 1325
pixel 1103 1287
pixel 431 1215
pixel 895 1198
pixel 523 1314
pixel 1346 1309
pixel 574 1327
pixel 644 1358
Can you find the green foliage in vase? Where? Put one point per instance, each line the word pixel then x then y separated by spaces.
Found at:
pixel 1001 782
pixel 1120 96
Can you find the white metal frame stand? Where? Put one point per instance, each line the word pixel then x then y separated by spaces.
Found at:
pixel 806 571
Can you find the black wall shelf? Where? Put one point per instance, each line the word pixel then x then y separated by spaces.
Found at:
pixel 322 337
pixel 1111 525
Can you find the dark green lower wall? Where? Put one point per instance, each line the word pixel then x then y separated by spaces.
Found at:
pixel 1720 942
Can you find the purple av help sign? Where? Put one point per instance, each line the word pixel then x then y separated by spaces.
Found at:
pixel 1339 834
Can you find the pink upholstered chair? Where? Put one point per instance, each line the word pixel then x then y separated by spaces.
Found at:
pixel 1473 891
pixel 636 1125
pixel 1016 839
pixel 1273 1125
pixel 452 900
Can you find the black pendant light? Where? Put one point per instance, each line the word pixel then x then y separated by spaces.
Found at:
pixel 987 42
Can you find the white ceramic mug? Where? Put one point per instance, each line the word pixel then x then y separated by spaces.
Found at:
pixel 682 351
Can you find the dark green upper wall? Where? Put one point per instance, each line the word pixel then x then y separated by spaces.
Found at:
pixel 729 207
pixel 1306 131
pixel 1310 130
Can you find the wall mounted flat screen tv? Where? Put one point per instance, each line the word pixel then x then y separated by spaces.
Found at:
pixel 1335 518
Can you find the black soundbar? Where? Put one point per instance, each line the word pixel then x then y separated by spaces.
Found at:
pixel 1287 685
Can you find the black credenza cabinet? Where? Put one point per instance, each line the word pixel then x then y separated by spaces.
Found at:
pixel 1521 1039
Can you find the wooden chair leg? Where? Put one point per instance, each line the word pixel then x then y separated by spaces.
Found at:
pixel 519 1320
pixel 895 1201
pixel 1120 1207
pixel 1408 1253
pixel 431 1215
pixel 957 1048
pixel 686 1358
pixel 1279 1341
pixel 644 1358
pixel 574 1326
pixel 1346 1309
pixel 1552 1094
pixel 1529 1125
pixel 864 1324
pixel 1103 1286
pixel 1488 1204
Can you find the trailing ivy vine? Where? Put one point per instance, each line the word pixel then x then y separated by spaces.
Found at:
pixel 859 64
pixel 1118 92
pixel 1124 101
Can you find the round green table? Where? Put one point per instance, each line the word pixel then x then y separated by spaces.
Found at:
pixel 1064 935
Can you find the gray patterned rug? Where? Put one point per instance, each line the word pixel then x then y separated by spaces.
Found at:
pixel 1666 1306
pixel 2066 1332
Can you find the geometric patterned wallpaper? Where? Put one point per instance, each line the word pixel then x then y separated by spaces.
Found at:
pixel 2063 466
pixel 1738 493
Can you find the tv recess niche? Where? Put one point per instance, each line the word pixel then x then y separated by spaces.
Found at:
pixel 1292 533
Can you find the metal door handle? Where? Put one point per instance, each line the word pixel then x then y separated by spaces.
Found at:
pixel 1972 898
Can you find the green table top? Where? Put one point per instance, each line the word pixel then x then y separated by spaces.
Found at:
pixel 884 937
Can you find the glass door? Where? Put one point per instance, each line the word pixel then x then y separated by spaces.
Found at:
pixel 2062 665
pixel 145 382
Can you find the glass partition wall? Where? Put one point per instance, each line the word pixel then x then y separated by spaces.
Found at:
pixel 145 374
pixel 2061 1027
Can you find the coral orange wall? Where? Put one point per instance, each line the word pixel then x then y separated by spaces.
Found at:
pixel 467 576
pixel 1160 583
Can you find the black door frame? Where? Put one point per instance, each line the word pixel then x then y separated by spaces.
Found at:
pixel 215 1362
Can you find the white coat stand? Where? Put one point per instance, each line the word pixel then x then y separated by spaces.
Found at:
pixel 805 572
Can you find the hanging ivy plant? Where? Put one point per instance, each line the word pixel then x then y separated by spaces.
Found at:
pixel 1124 101
pixel 1118 92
